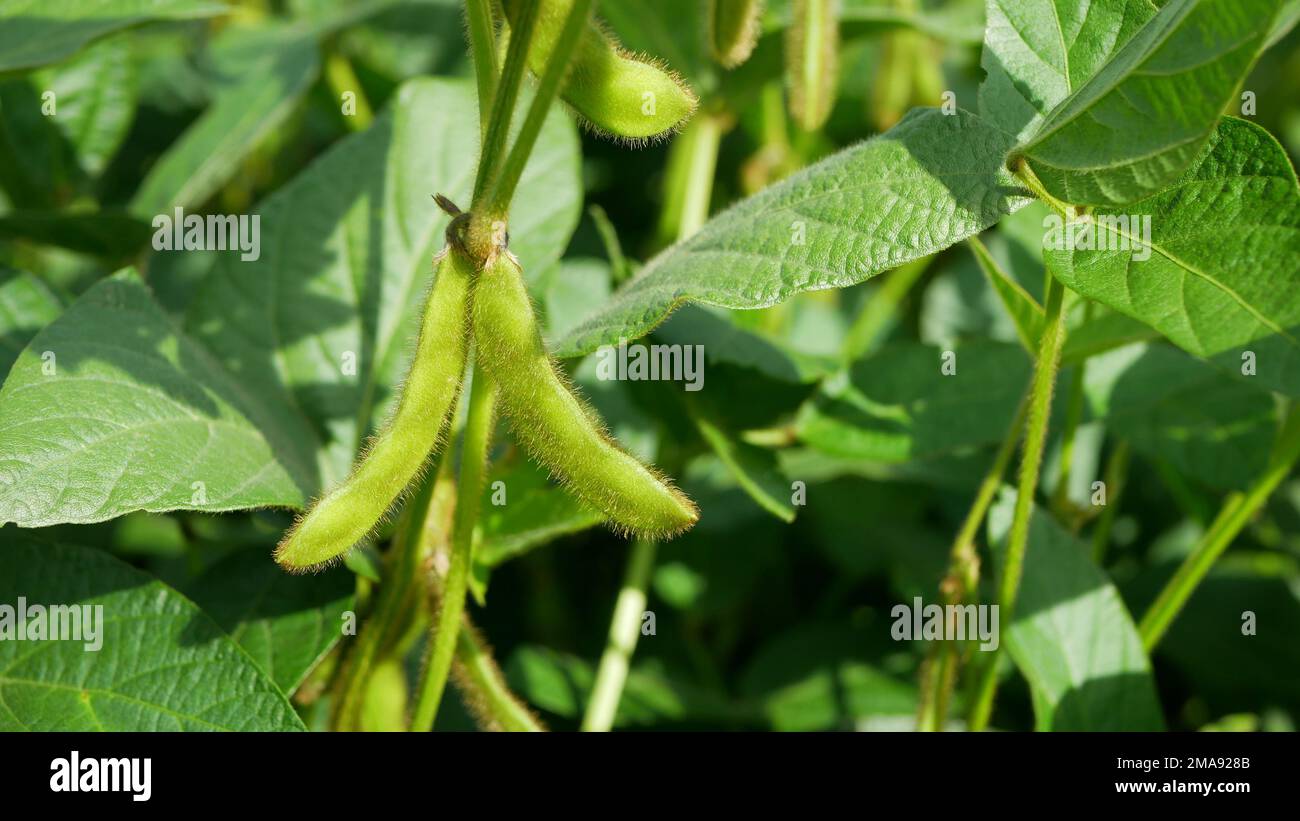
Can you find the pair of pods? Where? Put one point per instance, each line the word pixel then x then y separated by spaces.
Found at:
pixel 549 420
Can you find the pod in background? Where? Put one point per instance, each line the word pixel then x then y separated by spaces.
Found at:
pixel 733 29
pixel 615 93
pixel 812 45
pixel 393 459
pixel 556 427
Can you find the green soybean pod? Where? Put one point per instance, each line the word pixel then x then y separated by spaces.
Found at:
pixel 344 515
pixel 555 426
pixel 812 46
pixel 616 93
pixel 733 29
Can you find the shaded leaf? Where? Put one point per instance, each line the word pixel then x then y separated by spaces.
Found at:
pixel 1072 637
pixel 162 665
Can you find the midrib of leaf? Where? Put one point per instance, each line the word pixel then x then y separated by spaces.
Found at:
pixel 1108 80
pixel 1207 277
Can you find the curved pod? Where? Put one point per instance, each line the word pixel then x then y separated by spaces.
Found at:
pixel 347 513
pixel 555 426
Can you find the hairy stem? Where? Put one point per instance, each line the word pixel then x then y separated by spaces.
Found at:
pixel 1237 511
pixel 482 47
pixel 442 642
pixel 1040 411
pixel 502 187
pixel 624 630
pixel 504 99
pixel 376 632
pixel 484 689
pixel 939 674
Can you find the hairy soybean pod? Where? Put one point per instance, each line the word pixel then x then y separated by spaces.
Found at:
pixel 811 61
pixel 554 425
pixel 344 515
pixel 733 29
pixel 616 93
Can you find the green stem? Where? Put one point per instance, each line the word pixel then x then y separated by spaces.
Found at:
pixel 504 100
pixel 1238 510
pixel 341 78
pixel 624 630
pixel 1040 411
pixel 385 620
pixel 962 580
pixel 688 183
pixel 483 50
pixel 1116 478
pixel 502 188
pixel 473 461
pixel 484 688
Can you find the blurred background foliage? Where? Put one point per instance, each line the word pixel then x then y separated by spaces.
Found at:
pixel 760 622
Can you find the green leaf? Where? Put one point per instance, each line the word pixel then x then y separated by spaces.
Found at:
pixel 1038 52
pixel 34 33
pixel 162 665
pixel 26 306
pixel 95 93
pixel 274 74
pixel 112 235
pixel 1072 637
pixel 726 340
pixel 111 409
pixel 1170 406
pixel 346 255
pixel 897 405
pixel 286 623
pixel 1140 121
pixel 1223 276
pixel 535 513
pixel 931 181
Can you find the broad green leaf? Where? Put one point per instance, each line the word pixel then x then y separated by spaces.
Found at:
pixel 1223 277
pixel 1189 413
pixel 162 665
pixel 286 623
pixel 112 409
pixel 1072 638
pixel 1038 52
pixel 1103 333
pixel 95 93
pixel 248 106
pixel 37 32
pixel 525 511
pixel 897 405
pixel 323 319
pixel 26 306
pixel 931 181
pixel 1140 121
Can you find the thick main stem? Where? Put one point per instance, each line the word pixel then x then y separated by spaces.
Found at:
pixel 442 642
pixel 624 630
pixel 1040 411
pixel 1238 510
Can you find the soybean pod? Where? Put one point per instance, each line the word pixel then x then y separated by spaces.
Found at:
pixel 615 93
pixel 812 46
pixel 346 514
pixel 733 29
pixel 557 427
